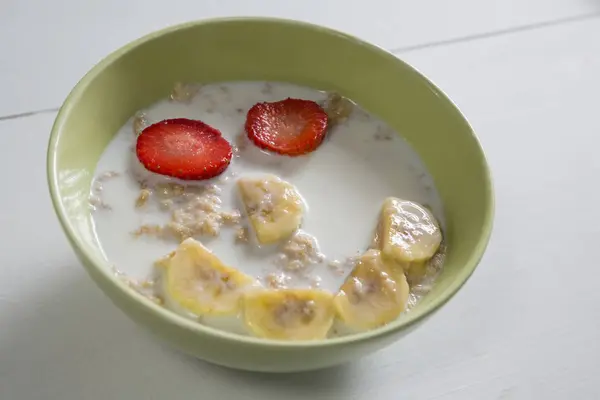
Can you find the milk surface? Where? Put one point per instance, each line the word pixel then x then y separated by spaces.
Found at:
pixel 344 182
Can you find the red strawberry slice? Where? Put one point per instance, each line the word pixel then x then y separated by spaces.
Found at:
pixel 183 148
pixel 291 127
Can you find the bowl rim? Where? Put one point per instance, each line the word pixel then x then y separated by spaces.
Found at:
pixel 168 317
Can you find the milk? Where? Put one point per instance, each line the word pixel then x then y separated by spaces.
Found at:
pixel 343 183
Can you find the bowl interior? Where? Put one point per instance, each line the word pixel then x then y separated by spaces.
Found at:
pixel 265 49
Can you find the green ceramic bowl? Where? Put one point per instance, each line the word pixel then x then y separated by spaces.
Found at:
pixel 144 71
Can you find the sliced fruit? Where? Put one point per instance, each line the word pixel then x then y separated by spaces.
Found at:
pixel 289 314
pixel 373 295
pixel 183 148
pixel 290 127
pixel 200 283
pixel 274 207
pixel 409 232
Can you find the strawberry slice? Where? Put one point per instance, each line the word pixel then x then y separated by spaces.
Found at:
pixel 183 148
pixel 290 127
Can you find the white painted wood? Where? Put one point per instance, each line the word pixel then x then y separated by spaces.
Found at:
pixel 47 46
pixel 526 326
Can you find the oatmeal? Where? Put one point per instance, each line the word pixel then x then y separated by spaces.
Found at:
pixel 299 255
pixel 139 123
pixel 142 197
pixel 96 200
pixel 241 234
pixel 183 92
pixel 342 267
pixel 338 108
pixel 277 280
pixel 194 210
pixel 264 245
pixel 143 287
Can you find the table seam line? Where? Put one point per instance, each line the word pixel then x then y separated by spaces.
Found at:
pixel 402 49
pixel 496 33
pixel 28 114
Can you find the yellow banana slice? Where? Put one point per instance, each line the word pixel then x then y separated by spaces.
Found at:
pixel 274 207
pixel 289 314
pixel 197 281
pixel 408 231
pixel 374 294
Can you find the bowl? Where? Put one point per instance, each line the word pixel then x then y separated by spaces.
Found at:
pixel 144 71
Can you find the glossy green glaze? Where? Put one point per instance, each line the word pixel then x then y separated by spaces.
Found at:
pixel 144 71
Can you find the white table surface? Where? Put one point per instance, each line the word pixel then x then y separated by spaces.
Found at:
pixel 526 326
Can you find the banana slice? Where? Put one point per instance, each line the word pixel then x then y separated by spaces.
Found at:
pixel 274 207
pixel 289 314
pixel 374 294
pixel 198 282
pixel 408 231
